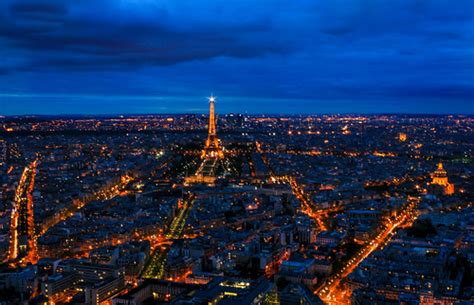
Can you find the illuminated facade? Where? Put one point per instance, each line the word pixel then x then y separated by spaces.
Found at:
pixel 402 137
pixel 440 177
pixel 212 148
pixel 200 179
pixel 211 154
pixel 23 247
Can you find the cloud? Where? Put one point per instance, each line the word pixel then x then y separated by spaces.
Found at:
pixel 328 49
pixel 445 91
pixel 37 8
pixel 97 34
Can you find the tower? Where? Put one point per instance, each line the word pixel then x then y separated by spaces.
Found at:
pixel 212 148
pixel 211 154
pixel 440 176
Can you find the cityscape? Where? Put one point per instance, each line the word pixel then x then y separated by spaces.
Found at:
pixel 237 152
pixel 243 209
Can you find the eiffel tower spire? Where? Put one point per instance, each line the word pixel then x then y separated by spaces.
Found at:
pixel 212 149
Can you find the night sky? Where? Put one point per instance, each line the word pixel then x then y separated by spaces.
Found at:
pixel 256 56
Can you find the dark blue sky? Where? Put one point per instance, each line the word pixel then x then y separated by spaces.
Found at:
pixel 257 56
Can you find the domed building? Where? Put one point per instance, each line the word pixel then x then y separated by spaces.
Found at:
pixel 440 177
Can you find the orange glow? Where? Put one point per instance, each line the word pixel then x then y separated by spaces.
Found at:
pixel 332 292
pixel 306 202
pixel 384 154
pixel 440 177
pixel 272 267
pixel 212 148
pixel 105 193
pixel 23 195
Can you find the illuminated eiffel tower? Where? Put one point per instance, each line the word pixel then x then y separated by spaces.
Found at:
pixel 213 148
pixel 211 154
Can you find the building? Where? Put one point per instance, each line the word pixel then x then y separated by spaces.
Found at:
pixel 152 290
pixel 219 290
pixel 103 290
pixel 297 294
pixel 57 285
pixel 230 291
pixel 440 177
pixel 402 137
pixel 99 282
pixel 299 271
pixel 3 151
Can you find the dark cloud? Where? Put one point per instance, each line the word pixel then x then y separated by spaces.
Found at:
pixel 157 33
pixel 37 8
pixel 444 91
pixel 63 39
pixel 330 49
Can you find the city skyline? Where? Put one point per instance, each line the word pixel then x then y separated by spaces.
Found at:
pixel 269 210
pixel 188 106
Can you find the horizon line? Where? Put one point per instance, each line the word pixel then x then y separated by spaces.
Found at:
pixel 234 113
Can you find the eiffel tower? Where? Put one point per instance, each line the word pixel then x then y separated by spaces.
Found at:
pixel 213 148
pixel 211 154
